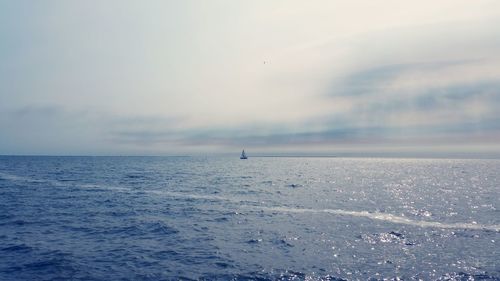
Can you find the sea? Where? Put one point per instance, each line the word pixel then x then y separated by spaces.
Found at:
pixel 264 218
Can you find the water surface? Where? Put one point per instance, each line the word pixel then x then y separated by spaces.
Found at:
pixel 164 218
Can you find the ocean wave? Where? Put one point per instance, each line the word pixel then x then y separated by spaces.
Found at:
pixel 257 205
pixel 386 217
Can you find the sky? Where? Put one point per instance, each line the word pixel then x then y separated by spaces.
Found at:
pixel 121 77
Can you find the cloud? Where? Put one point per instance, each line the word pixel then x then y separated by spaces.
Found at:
pixel 168 77
pixel 37 111
pixel 372 81
pixel 382 98
pixel 432 80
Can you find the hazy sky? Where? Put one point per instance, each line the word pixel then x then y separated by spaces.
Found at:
pixel 180 77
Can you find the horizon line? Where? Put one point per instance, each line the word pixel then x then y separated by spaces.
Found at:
pixel 340 155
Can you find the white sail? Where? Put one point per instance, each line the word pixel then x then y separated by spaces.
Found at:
pixel 243 155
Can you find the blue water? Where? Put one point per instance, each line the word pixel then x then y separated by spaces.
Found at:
pixel 169 218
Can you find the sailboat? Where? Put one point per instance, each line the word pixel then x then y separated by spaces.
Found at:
pixel 243 155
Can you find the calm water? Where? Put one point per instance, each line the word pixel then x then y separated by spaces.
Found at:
pixel 164 218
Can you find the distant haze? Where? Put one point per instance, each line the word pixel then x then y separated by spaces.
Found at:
pixel 290 77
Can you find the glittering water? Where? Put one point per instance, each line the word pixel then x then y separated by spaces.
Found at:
pixel 164 218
